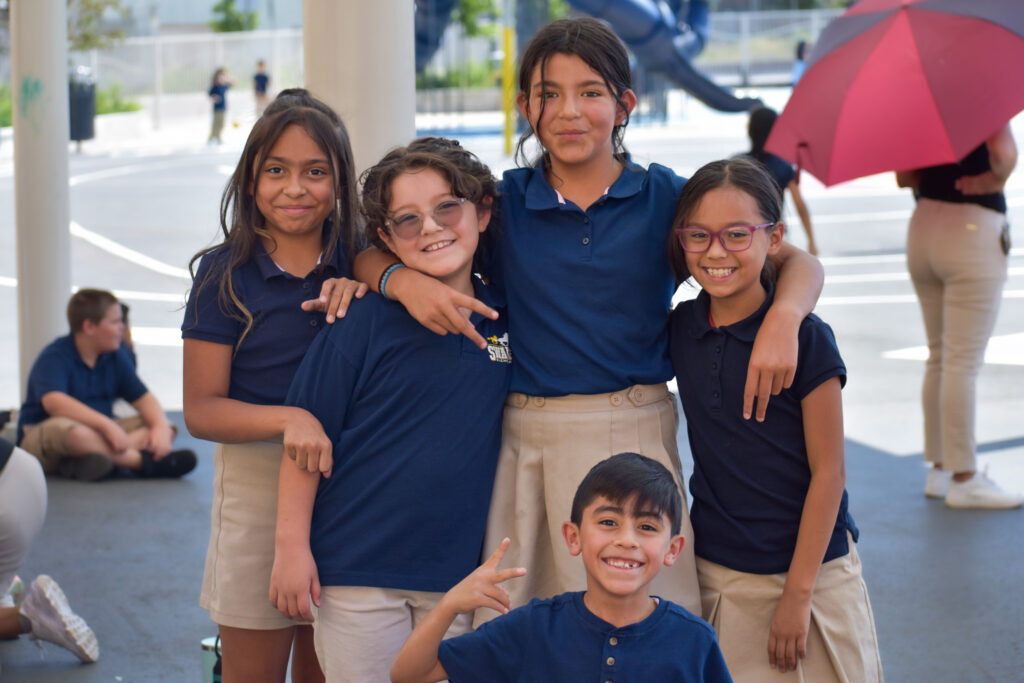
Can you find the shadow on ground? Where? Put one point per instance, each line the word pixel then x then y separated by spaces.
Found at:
pixel 129 554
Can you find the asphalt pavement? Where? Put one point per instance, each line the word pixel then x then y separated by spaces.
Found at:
pixel 944 584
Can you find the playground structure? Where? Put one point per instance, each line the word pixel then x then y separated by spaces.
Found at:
pixel 664 35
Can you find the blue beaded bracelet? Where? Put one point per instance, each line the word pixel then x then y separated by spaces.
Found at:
pixel 384 278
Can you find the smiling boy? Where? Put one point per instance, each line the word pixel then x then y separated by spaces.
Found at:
pixel 67 419
pixel 625 525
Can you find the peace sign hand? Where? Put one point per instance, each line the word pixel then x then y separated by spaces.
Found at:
pixel 482 588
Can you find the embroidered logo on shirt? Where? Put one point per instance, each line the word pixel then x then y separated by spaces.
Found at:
pixel 497 348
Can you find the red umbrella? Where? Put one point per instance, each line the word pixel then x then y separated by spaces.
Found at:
pixel 903 84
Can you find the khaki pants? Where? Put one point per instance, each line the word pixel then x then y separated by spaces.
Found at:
pixel 359 629
pixel 958 270
pixel 842 646
pixel 548 445
pixel 48 440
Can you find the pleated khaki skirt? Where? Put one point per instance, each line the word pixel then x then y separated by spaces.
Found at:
pixel 547 446
pixel 239 559
pixel 842 646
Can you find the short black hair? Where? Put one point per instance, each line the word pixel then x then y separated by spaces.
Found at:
pixel 631 476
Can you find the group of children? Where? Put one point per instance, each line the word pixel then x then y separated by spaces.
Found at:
pixel 410 454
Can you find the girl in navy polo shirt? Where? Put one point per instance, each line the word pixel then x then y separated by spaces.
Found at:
pixel 286 216
pixel 415 419
pixel 583 262
pixel 776 559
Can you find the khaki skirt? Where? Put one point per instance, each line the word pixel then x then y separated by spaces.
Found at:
pixel 842 646
pixel 239 559
pixel 547 446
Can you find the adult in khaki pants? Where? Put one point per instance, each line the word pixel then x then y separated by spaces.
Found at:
pixel 957 248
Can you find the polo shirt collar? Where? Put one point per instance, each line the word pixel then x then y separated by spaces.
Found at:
pixel 539 194
pixel 269 269
pixel 744 330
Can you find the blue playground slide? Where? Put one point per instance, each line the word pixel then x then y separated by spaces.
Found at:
pixel 655 30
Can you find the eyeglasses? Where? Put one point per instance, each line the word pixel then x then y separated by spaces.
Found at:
pixel 735 238
pixel 409 225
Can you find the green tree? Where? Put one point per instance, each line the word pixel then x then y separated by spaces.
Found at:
pixel 469 13
pixel 229 18
pixel 89 25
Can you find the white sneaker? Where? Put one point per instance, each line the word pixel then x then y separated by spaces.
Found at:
pixel 937 483
pixel 47 609
pixel 980 492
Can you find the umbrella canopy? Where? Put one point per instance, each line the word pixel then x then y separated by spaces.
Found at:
pixel 904 84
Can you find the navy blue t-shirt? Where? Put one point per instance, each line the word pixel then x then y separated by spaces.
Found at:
pixel 259 83
pixel 559 640
pixel 588 291
pixel 264 364
pixel 415 419
pixel 59 368
pixel 939 182
pixel 750 478
pixel 221 93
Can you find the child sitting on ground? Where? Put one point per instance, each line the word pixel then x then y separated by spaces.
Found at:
pixel 67 418
pixel 625 524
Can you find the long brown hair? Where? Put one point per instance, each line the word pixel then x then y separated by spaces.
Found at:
pixel 601 50
pixel 243 225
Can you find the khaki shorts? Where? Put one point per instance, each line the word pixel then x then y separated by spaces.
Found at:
pixel 360 629
pixel 48 440
pixel 240 557
pixel 547 446
pixel 842 646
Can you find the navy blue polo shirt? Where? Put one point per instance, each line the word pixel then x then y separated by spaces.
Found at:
pixel 221 93
pixel 264 364
pixel 58 367
pixel 750 478
pixel 588 291
pixel 559 639
pixel 415 419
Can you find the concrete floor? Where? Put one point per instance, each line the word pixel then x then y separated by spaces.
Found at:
pixel 129 555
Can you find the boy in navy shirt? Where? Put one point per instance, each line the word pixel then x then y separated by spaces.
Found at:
pixel 67 418
pixel 625 525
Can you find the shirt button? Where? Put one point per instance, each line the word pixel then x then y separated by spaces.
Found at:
pixel 714 366
pixel 610 661
pixel 305 285
pixel 718 349
pixel 714 394
pixel 586 240
pixel 312 323
pixel 586 220
pixel 616 400
pixel 613 641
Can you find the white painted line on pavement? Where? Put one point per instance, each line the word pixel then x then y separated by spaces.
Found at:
pixel 138 258
pixel 890 277
pixel 1002 350
pixel 894 298
pixel 156 336
pixel 130 169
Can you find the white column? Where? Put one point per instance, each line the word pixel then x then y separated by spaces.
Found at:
pixel 360 59
pixel 39 82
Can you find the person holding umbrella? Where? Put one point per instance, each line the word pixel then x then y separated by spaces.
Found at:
pixel 957 248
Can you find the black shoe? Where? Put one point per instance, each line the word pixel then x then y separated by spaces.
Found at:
pixel 174 464
pixel 89 467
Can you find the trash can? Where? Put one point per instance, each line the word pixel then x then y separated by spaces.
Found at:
pixel 82 103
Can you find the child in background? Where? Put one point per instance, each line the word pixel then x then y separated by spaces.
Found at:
pixel 218 93
pixel 779 574
pixel 758 128
pixel 260 83
pixel 415 422
pixel 67 419
pixel 625 524
pixel 287 216
pixel 582 257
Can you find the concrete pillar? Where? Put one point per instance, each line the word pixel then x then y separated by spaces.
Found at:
pixel 360 59
pixel 39 83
